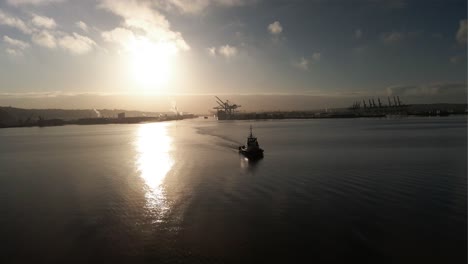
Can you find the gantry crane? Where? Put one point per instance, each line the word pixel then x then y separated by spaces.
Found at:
pixel 225 109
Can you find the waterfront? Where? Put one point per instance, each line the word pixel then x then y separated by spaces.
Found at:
pixel 330 190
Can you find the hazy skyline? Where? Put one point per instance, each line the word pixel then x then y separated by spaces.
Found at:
pixel 324 49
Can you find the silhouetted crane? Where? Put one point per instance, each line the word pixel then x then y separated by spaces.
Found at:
pixel 225 108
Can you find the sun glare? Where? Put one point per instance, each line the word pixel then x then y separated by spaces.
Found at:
pixel 153 145
pixel 152 63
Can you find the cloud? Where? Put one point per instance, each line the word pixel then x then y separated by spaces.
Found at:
pixel 392 37
pixel 212 51
pixel 140 17
pixel 82 25
pixel 19 44
pixel 358 33
pixel 8 20
pixel 76 44
pixel 43 22
pixel 302 64
pixel 227 51
pixel 316 56
pixel 275 28
pixel 118 35
pixel 462 32
pixel 43 33
pixel 45 39
pixel 32 2
pixel 14 52
pixel 437 89
pixel 197 6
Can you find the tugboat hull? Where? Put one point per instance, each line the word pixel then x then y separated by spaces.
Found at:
pixel 251 154
pixel 252 149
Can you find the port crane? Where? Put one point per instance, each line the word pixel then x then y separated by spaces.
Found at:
pixel 225 106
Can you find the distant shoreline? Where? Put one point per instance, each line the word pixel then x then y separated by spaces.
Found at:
pixel 17 117
pixel 95 121
pixel 354 112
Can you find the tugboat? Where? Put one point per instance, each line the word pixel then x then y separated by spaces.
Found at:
pixel 252 150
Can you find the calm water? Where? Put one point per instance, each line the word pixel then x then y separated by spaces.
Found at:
pixel 330 191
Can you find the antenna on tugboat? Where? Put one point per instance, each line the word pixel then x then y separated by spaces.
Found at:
pixel 251 131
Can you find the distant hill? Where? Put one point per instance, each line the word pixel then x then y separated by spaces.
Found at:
pixel 11 116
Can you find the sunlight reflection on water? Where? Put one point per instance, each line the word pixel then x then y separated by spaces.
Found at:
pixel 154 161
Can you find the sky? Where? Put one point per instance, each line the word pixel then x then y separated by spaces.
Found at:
pixel 61 53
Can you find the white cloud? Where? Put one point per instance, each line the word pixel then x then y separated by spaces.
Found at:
pixel 197 6
pixel 45 39
pixel 43 34
pixel 14 52
pixel 19 44
pixel 462 32
pixel 186 6
pixel 118 35
pixel 358 33
pixel 32 2
pixel 43 22
pixel 392 37
pixel 275 28
pixel 212 51
pixel 8 20
pixel 76 44
pixel 227 51
pixel 142 18
pixel 82 25
pixel 302 64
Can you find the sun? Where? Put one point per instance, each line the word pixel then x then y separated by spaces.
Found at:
pixel 152 62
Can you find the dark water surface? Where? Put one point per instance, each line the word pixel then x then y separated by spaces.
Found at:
pixel 329 191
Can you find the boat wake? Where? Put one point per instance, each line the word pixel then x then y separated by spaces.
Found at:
pixel 225 141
